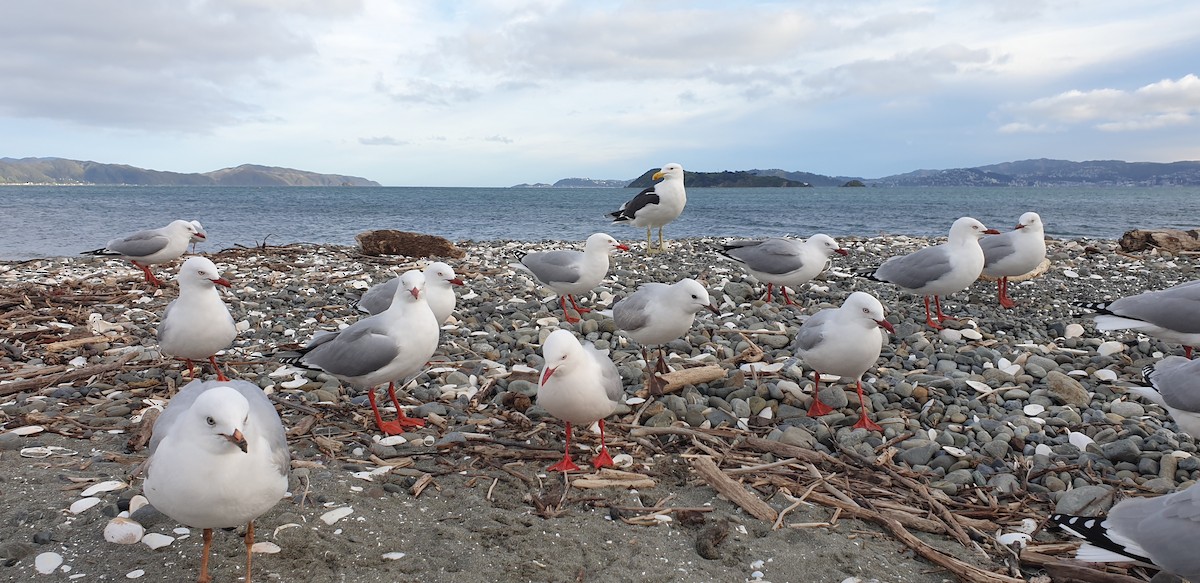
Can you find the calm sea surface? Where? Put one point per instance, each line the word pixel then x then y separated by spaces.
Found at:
pixel 38 221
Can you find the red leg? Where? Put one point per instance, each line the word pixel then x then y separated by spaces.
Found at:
pixel 602 460
pixel 220 375
pixel 929 317
pixel 204 576
pixel 770 286
pixel 1005 301
pixel 787 300
pixel 402 419
pixel 150 279
pixel 937 301
pixel 249 545
pixel 864 422
pixel 562 301
pixel 1187 351
pixel 576 306
pixel 387 427
pixel 566 465
pixel 191 368
pixel 818 408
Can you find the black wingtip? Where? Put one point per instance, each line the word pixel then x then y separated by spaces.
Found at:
pixel 1147 371
pixel 1098 307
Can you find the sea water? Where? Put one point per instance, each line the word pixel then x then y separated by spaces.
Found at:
pixel 39 221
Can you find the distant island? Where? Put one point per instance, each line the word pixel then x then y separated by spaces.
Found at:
pixel 1039 172
pixel 63 171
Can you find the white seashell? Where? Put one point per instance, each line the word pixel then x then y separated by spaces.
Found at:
pixel 1106 375
pixel 766 413
pixel 428 441
pixel 135 574
pixel 1034 409
pixel 1110 347
pixel 283 371
pixel 265 548
pixel 1020 538
pixel 107 486
pixel 525 369
pixel 123 531
pixel 28 430
pixel 954 451
pixel 662 518
pixel 242 325
pixel 393 440
pixel 47 563
pixel 1077 373
pixel 1071 273
pixel 137 502
pixel 932 434
pixel 182 531
pixel 1073 330
pixel 295 383
pixel 336 514
pixel 1181 454
pixel 1043 449
pixel 441 369
pixel 1003 363
pixel 1027 526
pixel 1012 369
pixel 393 556
pixel 83 504
pixel 634 401
pixel 275 533
pixel 548 321
pixel 762 367
pixel 1079 440
pixel 623 460
pixel 950 335
pixel 1038 420
pixel 155 540
pixel 78 361
pixel 971 334
pixel 979 386
pixel 47 451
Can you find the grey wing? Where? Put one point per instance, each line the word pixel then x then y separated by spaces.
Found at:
pixel 139 244
pixel 996 248
pixel 812 332
pixel 164 325
pixel 916 269
pixel 632 313
pixel 1175 309
pixel 609 376
pixel 775 256
pixel 1164 527
pixel 379 298
pixel 1178 381
pixel 355 351
pixel 182 400
pixel 561 266
pixel 266 419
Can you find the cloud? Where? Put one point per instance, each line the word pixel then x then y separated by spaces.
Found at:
pixel 913 71
pixel 1167 103
pixel 382 141
pixel 498 139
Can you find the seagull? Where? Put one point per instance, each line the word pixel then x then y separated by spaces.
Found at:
pixel 781 261
pixel 843 341
pixel 438 279
pixel 1014 253
pixel 1175 385
pixel 390 346
pixel 1172 314
pixel 146 248
pixel 1159 531
pixel 218 458
pixel 658 313
pixel 570 272
pixel 940 269
pixel 655 206
pixel 197 324
pixel 200 236
pixel 580 385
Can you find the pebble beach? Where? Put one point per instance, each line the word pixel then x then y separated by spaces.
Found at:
pixel 989 425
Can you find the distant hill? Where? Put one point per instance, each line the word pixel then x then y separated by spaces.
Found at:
pixel 63 171
pixel 726 179
pixel 808 177
pixel 1046 172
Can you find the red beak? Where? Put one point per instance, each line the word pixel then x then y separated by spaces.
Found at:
pixel 546 374
pixel 622 246
pixel 221 281
pixel 712 308
pixel 991 232
pixel 416 292
pixel 456 281
pixel 200 235
pixel 1020 226
pixel 840 251
pixel 886 325
pixel 237 439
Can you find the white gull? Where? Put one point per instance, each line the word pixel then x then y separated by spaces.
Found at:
pixel 150 247
pixel 569 272
pixel 782 261
pixel 1014 253
pixel 580 385
pixel 197 324
pixel 439 293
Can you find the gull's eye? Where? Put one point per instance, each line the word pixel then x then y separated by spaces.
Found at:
pixel 695 297
pixel 866 311
pixel 210 421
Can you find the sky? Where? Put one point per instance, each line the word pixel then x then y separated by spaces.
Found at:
pixel 497 93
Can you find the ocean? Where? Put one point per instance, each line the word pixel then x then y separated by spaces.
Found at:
pixel 42 221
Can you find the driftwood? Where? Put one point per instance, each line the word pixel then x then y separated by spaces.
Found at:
pixel 733 490
pixel 676 380
pixel 1173 240
pixel 42 382
pixel 1071 571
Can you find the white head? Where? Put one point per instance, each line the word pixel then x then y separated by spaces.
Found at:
pixel 180 227
pixel 200 234
pixel 1031 221
pixel 671 170
pixel 604 242
pixel 826 244
pixel 217 420
pixel 967 228
pixel 410 290
pixel 562 353
pixel 870 309
pixel 200 272
pixel 691 297
pixel 441 275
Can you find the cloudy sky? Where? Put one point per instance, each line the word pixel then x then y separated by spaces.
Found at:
pixel 495 93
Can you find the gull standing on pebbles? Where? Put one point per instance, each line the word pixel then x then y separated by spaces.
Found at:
pixel 1014 253
pixel 1159 531
pixel 941 269
pixel 390 346
pixel 1172 314
pixel 1175 385
pixel 439 278
pixel 200 235
pixel 197 324
pixel 152 246
pixel 843 341
pixel 658 313
pixel 218 458
pixel 783 262
pixel 580 385
pixel 570 272
pixel 655 206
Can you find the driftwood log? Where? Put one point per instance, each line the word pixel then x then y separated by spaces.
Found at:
pixel 1173 240
pixel 391 242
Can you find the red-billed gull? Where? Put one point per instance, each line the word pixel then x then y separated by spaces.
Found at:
pixel 1014 253
pixel 655 206
pixel 1175 385
pixel 784 262
pixel 1172 314
pixel 569 272
pixel 150 247
pixel 580 385
pixel 439 293
pixel 658 313
pixel 197 324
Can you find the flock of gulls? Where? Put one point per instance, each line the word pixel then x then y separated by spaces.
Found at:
pixel 219 457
